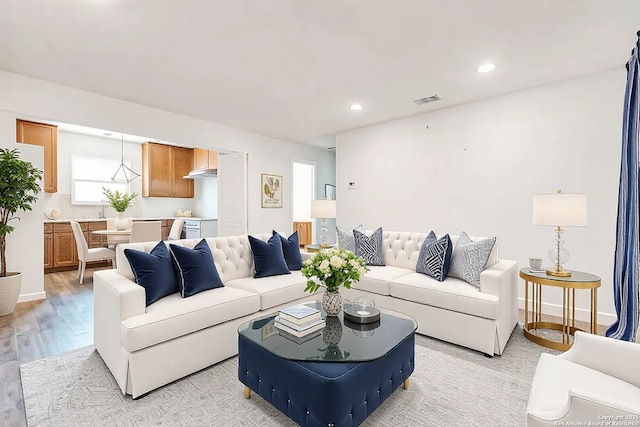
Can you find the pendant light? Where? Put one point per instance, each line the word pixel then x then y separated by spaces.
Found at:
pixel 124 173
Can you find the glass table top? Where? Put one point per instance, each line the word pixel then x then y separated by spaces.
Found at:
pixel 339 340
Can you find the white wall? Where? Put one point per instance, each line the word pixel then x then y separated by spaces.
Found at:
pixel 25 246
pixel 73 144
pixel 477 166
pixel 27 97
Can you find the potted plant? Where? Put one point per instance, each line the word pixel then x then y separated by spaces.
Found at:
pixel 120 202
pixel 19 188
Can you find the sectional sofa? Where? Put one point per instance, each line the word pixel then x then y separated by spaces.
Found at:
pixel 146 347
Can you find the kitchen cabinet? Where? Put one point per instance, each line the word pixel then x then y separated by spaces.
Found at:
pixel 205 159
pixel 304 232
pixel 60 250
pixel 166 228
pixel 65 253
pixel 163 168
pixel 48 246
pixel 47 137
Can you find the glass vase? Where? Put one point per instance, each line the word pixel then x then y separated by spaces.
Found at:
pixel 331 303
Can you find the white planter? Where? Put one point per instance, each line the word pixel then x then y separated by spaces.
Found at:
pixel 121 222
pixel 9 292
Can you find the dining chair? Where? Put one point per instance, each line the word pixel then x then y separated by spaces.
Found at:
pixel 176 229
pixel 86 254
pixel 113 241
pixel 146 231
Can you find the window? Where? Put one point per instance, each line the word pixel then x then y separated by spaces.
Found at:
pixel 88 176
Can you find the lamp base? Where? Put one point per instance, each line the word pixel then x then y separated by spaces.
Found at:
pixel 324 245
pixel 559 272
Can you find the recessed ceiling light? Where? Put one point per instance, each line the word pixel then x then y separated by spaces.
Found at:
pixel 486 68
pixel 356 107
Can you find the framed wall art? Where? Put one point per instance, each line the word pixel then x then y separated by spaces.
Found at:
pixel 329 192
pixel 271 190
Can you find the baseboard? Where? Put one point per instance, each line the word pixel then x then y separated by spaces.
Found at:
pixel 605 319
pixel 32 297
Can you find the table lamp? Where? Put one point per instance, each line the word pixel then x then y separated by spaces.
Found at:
pixel 560 210
pixel 323 209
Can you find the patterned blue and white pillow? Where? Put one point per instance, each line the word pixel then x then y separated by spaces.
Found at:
pixel 469 258
pixel 435 256
pixel 369 247
pixel 346 239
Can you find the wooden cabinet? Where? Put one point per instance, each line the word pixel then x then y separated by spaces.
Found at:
pixel 205 159
pixel 304 232
pixel 65 253
pixel 163 168
pixel 47 137
pixel 48 246
pixel 60 250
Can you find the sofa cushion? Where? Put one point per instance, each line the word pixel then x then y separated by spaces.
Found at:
pixel 195 269
pixel 555 377
pixel 435 256
pixel 452 294
pixel 346 239
pixel 174 316
pixel 377 279
pixel 369 247
pixel 470 258
pixel 268 258
pixel 273 290
pixel 153 271
pixel 291 250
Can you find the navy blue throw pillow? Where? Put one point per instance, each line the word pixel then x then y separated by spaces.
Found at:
pixel 268 258
pixel 435 257
pixel 153 271
pixel 291 250
pixel 195 269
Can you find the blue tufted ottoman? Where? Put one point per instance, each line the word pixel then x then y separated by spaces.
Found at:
pixel 324 393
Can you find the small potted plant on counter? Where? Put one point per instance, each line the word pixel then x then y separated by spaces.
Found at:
pixel 120 202
pixel 19 188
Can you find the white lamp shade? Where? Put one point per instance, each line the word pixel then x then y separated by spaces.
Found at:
pixel 560 210
pixel 323 209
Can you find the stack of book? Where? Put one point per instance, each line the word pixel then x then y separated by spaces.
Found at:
pixel 299 321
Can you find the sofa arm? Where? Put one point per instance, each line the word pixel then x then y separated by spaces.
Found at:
pixel 115 298
pixel 620 359
pixel 500 278
pixel 305 255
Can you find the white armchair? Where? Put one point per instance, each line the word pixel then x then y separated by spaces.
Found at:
pixel 597 380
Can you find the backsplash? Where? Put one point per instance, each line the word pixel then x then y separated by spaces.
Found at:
pixel 68 211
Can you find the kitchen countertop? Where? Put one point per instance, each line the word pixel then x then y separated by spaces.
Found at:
pixel 135 218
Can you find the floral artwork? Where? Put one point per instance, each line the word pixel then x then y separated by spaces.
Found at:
pixel 271 191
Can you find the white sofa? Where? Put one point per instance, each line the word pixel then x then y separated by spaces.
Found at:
pixel 596 382
pixel 452 310
pixel 147 347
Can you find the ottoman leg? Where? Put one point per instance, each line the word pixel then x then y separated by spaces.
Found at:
pixel 405 384
pixel 247 392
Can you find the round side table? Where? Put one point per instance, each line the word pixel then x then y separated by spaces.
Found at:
pixel 533 317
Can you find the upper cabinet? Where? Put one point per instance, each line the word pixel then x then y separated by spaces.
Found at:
pixel 46 136
pixel 205 159
pixel 163 168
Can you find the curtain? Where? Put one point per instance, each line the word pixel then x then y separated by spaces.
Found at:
pixel 626 280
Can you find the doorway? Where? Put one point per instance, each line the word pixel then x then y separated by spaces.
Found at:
pixel 302 193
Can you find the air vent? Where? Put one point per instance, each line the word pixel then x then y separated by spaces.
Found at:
pixel 428 99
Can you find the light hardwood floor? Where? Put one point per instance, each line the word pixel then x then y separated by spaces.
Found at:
pixel 62 322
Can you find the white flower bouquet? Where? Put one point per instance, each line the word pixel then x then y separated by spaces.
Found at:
pixel 331 269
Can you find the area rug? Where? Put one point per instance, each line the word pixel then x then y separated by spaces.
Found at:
pixel 450 386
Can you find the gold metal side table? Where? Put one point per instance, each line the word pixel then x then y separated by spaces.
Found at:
pixel 533 318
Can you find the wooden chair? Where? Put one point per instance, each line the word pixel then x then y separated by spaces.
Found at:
pixel 85 254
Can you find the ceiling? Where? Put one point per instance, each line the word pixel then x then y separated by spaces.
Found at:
pixel 290 69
